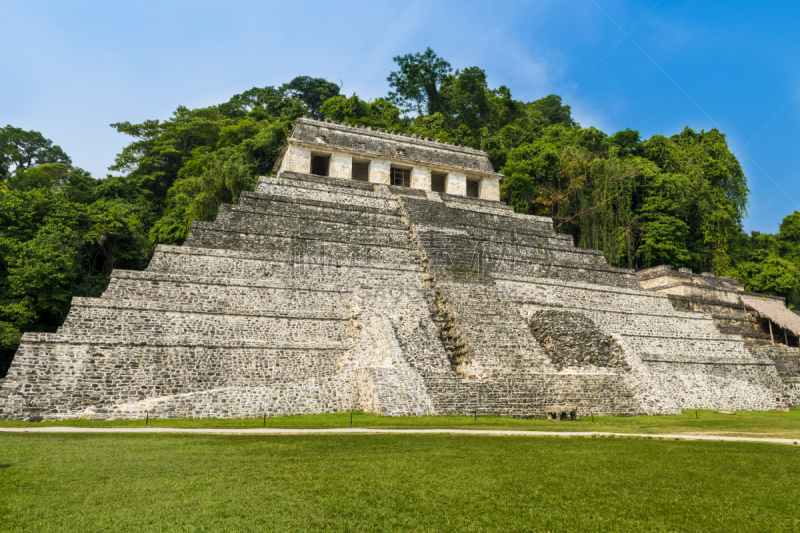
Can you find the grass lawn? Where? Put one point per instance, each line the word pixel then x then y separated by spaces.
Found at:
pixel 749 423
pixel 110 482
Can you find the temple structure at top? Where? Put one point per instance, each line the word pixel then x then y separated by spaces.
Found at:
pixel 331 149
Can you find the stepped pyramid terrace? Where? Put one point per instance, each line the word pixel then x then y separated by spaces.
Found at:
pixel 381 272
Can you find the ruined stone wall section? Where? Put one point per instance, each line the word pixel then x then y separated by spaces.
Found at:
pixel 341 166
pixel 490 189
pixel 679 359
pixel 421 178
pixel 380 171
pixel 296 159
pixel 385 382
pixel 253 315
pixel 787 364
pixel 676 360
pixel 331 136
pixel 457 183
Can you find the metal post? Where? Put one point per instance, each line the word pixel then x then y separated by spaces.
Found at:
pixel 695 414
pixel 771 338
pixel 351 418
pixel 147 418
pixel 591 413
pixel 476 416
pixel 265 419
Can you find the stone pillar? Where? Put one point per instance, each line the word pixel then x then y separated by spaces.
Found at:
pixel 490 189
pixel 297 159
pixel 379 171
pixel 457 183
pixel 341 166
pixel 421 178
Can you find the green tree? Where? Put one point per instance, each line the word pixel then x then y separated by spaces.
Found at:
pixel 554 111
pixel 470 97
pixel 313 92
pixel 788 238
pixel 258 103
pixel 772 275
pixel 416 84
pixel 161 148
pixel 379 113
pixel 25 149
pixel 627 142
pixel 665 235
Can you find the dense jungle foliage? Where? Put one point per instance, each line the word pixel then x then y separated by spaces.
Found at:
pixel 678 200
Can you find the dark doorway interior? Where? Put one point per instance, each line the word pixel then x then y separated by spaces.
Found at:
pixel 401 177
pixel 474 188
pixel 320 164
pixel 360 170
pixel 438 182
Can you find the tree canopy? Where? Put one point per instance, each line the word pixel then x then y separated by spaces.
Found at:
pixel 416 85
pixel 24 149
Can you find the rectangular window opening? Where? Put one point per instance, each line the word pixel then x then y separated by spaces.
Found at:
pixel 320 164
pixel 473 188
pixel 438 182
pixel 360 171
pixel 401 177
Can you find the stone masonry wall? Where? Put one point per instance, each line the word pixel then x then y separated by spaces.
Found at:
pixel 318 295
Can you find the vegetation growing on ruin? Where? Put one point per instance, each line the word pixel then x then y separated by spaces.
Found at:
pixel 393 483
pixel 676 199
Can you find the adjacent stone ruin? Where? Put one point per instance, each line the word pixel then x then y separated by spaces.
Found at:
pixel 320 294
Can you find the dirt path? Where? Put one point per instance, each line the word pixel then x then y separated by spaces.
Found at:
pixel 370 431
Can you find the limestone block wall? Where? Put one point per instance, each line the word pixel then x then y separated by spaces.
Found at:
pixel 379 171
pixel 341 165
pixel 731 318
pixel 253 315
pixel 698 291
pixel 490 189
pixel 387 383
pixel 320 295
pixel 684 354
pixel 680 360
pixel 385 145
pixel 457 183
pixel 421 178
pixel 787 364
pixel 297 159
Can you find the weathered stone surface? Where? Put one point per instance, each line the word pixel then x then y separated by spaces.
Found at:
pixel 572 340
pixel 341 145
pixel 321 294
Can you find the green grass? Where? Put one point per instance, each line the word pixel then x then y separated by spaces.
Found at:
pixel 759 423
pixel 113 482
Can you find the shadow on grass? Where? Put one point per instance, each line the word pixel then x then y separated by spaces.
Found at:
pixel 5 466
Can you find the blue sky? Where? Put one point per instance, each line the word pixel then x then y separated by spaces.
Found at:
pixel 72 68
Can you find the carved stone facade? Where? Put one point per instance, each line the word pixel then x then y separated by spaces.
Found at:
pixel 339 146
pixel 323 294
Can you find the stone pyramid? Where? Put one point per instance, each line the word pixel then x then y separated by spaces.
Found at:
pixel 319 294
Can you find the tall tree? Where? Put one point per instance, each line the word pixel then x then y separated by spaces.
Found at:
pixel 24 149
pixel 311 91
pixel 416 85
pixel 470 97
pixel 554 111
